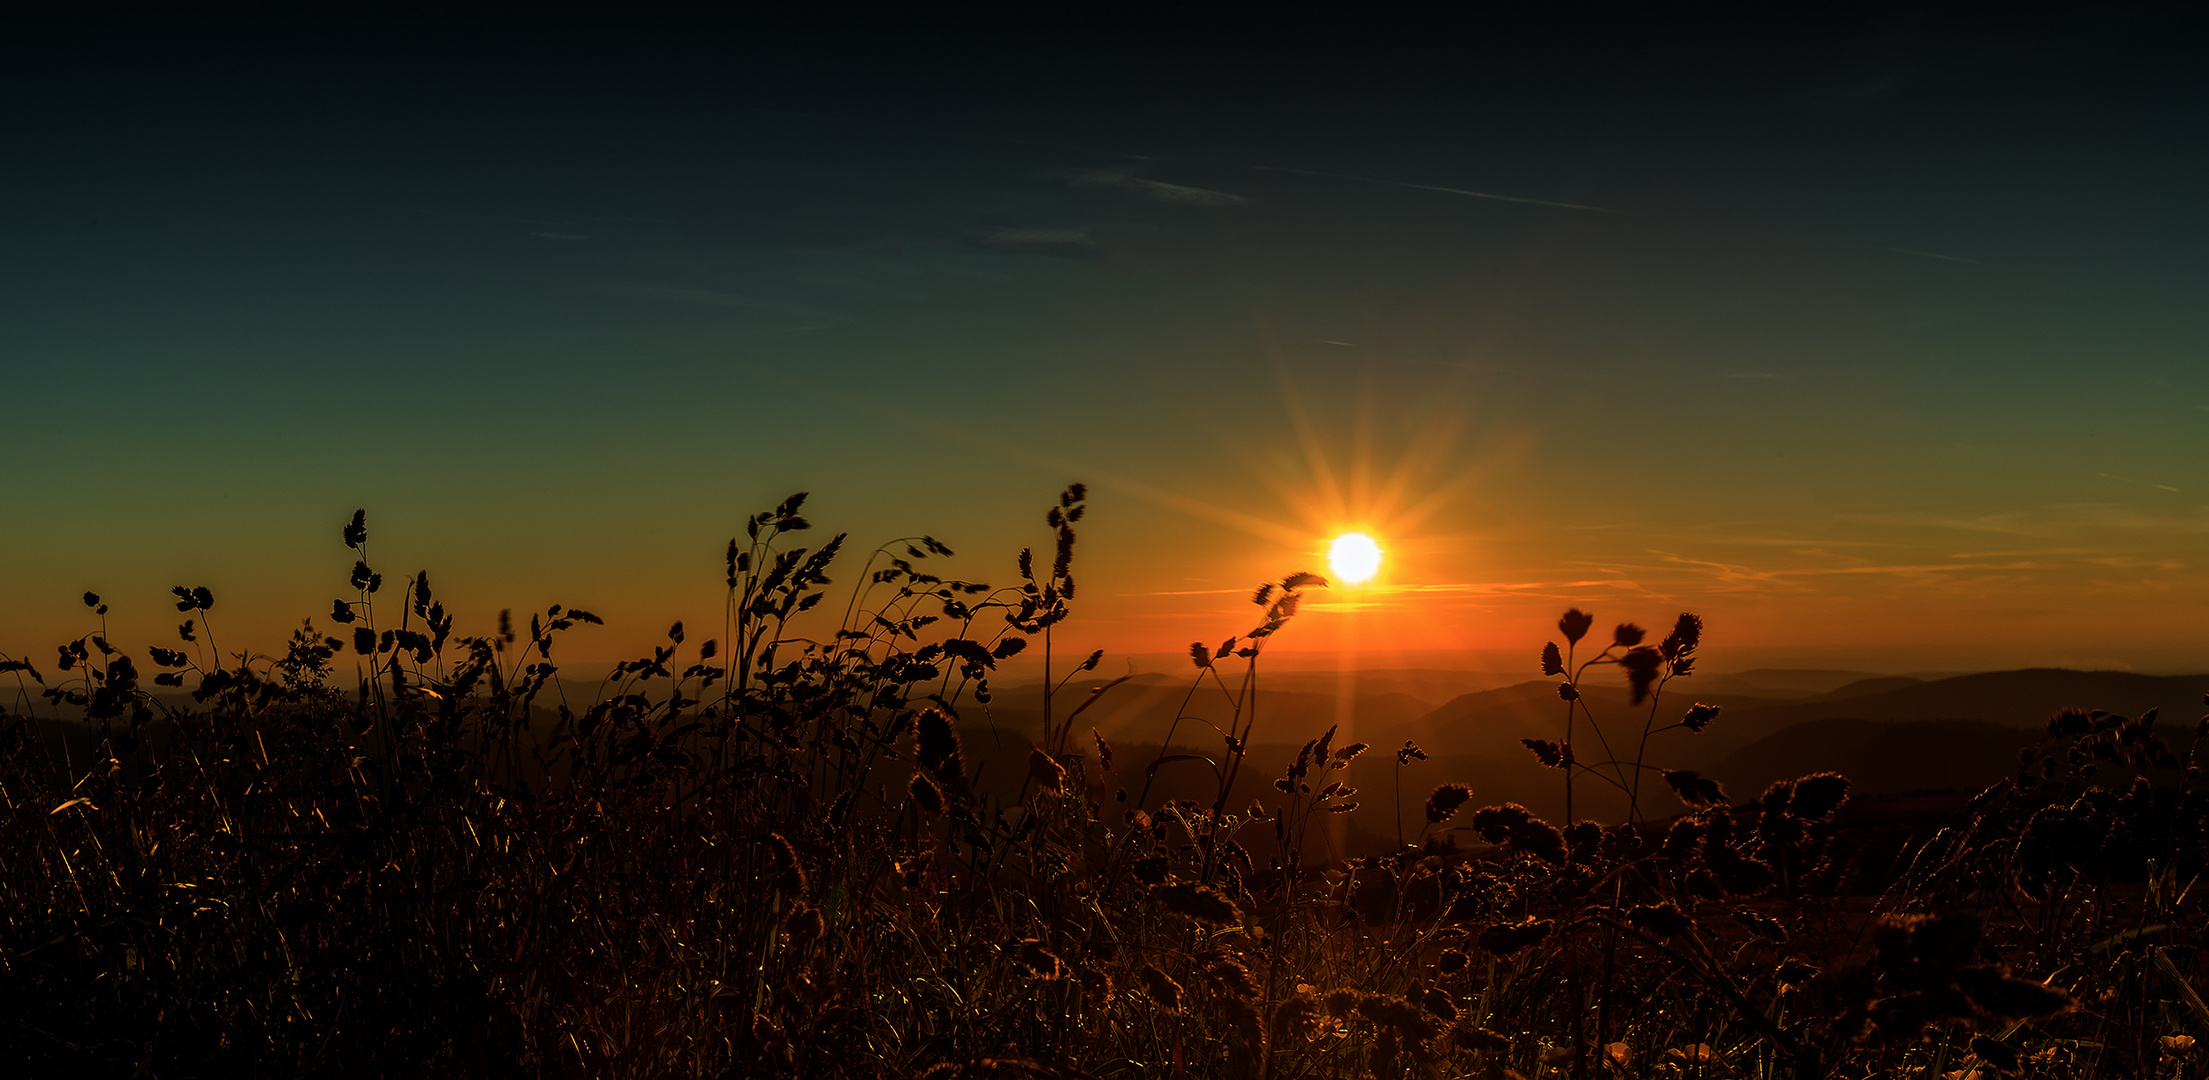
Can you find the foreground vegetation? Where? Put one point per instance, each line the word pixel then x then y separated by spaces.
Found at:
pixel 764 854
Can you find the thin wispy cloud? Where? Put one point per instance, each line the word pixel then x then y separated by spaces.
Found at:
pixel 1155 190
pixel 852 284
pixel 1017 236
pixel 1439 188
pixel 978 136
pixel 2052 522
pixel 2132 562
pixel 1725 577
pixel 2137 483
pixel 1687 574
pixel 548 223
pixel 1500 369
pixel 1499 588
pixel 2029 552
pixel 1371 597
pixel 725 300
pixel 1922 254
pixel 1183 194
pixel 1718 537
pixel 1995 524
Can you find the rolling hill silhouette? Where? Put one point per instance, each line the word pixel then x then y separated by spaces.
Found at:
pixel 1888 734
pixel 1143 709
pixel 1885 758
pixel 1781 682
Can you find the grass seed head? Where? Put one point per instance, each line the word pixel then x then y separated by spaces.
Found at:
pixel 1482 1040
pixel 1699 716
pixel 1227 974
pixel 936 745
pixel 1243 1024
pixel 1445 802
pixel 783 867
pixel 1038 960
pixel 1095 982
pixel 1992 989
pixel 1574 624
pixel 1796 972
pixel 802 927
pixel 1503 939
pixel 1999 1054
pixel 1161 988
pixel 1762 925
pixel 926 794
pixel 1398 1016
pixel 1663 920
pixel 1694 789
pixel 1438 1002
pixel 1819 796
pixel 1297 1017
pixel 1738 874
pixel 1203 903
pixel 1045 770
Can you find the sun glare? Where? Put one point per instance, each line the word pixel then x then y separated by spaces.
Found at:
pixel 1354 557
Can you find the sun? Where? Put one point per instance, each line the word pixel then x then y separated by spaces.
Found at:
pixel 1354 557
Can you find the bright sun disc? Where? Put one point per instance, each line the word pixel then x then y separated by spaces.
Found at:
pixel 1355 557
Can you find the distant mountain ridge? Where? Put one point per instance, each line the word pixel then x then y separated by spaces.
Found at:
pixel 1878 685
pixel 1888 734
pixel 1146 707
pixel 1784 682
pixel 2017 699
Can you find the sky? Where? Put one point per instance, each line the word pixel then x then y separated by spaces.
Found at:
pixel 1875 335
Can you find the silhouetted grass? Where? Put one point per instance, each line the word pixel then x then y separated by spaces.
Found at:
pixel 772 854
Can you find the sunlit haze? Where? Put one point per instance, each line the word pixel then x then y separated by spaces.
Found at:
pixel 1354 557
pixel 1875 341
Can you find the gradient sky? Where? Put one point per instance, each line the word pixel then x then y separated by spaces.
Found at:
pixel 1877 337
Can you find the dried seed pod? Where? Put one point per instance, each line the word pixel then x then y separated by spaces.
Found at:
pixel 784 868
pixel 1297 1017
pixel 1445 802
pixel 1200 902
pixel 1503 939
pixel 1663 920
pixel 1161 988
pixel 1045 770
pixel 802 927
pixel 1039 962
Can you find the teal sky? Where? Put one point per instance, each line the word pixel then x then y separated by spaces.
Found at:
pixel 1874 336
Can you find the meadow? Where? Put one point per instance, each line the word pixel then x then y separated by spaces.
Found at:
pixel 753 852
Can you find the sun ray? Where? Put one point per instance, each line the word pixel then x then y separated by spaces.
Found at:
pixel 1201 509
pixel 1307 434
